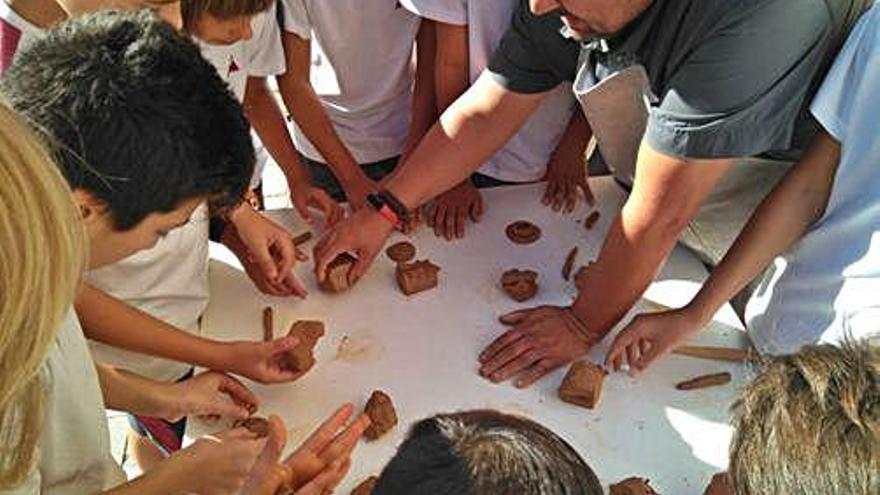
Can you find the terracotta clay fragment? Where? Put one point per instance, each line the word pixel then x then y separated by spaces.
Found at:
pixel 719 485
pixel 569 263
pixel 401 252
pixel 705 381
pixel 582 385
pixel 632 486
pixel 729 354
pixel 591 220
pixel 301 358
pixel 365 487
pixel 520 285
pixel 336 276
pixel 382 415
pixel 254 424
pixel 302 238
pixel 417 277
pixel 268 328
pixel 523 232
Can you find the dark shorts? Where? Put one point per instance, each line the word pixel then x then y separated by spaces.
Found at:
pixel 321 175
pixel 168 437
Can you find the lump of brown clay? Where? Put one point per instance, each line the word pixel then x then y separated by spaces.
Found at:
pixel 365 487
pixel 301 358
pixel 591 220
pixel 254 424
pixel 705 381
pixel 401 252
pixel 632 486
pixel 382 415
pixel 336 276
pixel 417 277
pixel 520 285
pixel 268 324
pixel 569 264
pixel 582 385
pixel 523 232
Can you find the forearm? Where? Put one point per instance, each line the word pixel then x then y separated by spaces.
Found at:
pixel 169 477
pixel 424 102
pixel 796 203
pixel 576 137
pixel 115 323
pixel 126 391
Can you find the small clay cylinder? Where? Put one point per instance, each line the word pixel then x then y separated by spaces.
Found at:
pixel 268 325
pixel 705 381
pixel 591 220
pixel 569 264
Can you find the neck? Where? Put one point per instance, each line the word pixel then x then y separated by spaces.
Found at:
pixel 41 13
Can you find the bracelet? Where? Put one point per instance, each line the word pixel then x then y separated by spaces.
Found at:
pixel 383 209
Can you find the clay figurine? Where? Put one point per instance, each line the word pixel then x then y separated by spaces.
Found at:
pixel 591 220
pixel 301 358
pixel 523 232
pixel 582 385
pixel 381 411
pixel 569 264
pixel 401 252
pixel 417 277
pixel 254 424
pixel 632 486
pixel 705 381
pixel 520 285
pixel 365 487
pixel 336 276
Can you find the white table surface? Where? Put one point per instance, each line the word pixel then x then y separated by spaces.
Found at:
pixel 423 349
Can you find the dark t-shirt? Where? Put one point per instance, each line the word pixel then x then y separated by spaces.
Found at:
pixel 731 78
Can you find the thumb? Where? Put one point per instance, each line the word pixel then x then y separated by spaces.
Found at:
pixel 282 345
pixel 514 317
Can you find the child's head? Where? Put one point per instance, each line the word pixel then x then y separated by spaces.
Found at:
pixel 810 423
pixel 41 262
pixel 143 128
pixel 221 22
pixel 169 10
pixel 485 453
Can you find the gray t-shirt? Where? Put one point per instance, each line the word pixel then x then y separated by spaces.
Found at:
pixel 731 79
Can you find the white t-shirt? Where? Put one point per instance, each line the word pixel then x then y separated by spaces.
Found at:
pixel 524 158
pixel 361 70
pixel 74 449
pixel 170 282
pixel 829 283
pixel 260 56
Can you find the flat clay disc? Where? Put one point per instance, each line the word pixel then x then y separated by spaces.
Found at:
pixel 523 232
pixel 401 252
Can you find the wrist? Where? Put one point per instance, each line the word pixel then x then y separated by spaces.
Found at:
pixel 580 325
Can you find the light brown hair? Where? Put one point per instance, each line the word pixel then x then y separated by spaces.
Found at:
pixel 192 10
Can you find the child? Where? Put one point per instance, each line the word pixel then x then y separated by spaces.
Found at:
pixel 820 224
pixel 551 143
pixel 485 453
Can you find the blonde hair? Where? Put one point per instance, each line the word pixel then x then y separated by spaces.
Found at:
pixel 810 424
pixel 41 263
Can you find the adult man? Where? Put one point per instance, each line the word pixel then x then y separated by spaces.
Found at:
pixel 695 103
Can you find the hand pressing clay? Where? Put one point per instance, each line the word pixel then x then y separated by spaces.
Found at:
pixel 301 358
pixel 569 264
pixel 417 277
pixel 366 487
pixel 401 252
pixel 382 415
pixel 523 232
pixel 632 486
pixel 705 381
pixel 582 385
pixel 254 424
pixel 336 276
pixel 520 285
pixel 591 220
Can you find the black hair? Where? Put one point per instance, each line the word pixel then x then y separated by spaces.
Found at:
pixel 134 114
pixel 485 453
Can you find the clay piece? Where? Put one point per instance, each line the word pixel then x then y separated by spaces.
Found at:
pixel 569 263
pixel 365 487
pixel 302 238
pixel 632 486
pixel 582 385
pixel 401 252
pixel 591 220
pixel 268 325
pixel 336 276
pixel 301 358
pixel 254 424
pixel 728 354
pixel 417 277
pixel 520 285
pixel 382 415
pixel 523 232
pixel 705 381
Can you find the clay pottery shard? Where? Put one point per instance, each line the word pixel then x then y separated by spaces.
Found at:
pixel 254 424
pixel 591 220
pixel 523 232
pixel 582 385
pixel 301 358
pixel 365 487
pixel 336 276
pixel 382 415
pixel 705 381
pixel 569 264
pixel 520 285
pixel 417 277
pixel 401 252
pixel 632 486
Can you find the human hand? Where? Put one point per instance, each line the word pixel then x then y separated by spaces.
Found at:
pixel 267 243
pixel 356 192
pixel 207 394
pixel 218 464
pixel 289 285
pixel 269 475
pixel 304 196
pixel 363 235
pixel 566 173
pixel 650 336
pixel 720 485
pixel 262 361
pixel 541 340
pixel 449 212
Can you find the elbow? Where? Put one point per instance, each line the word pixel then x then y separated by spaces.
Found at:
pixel 661 221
